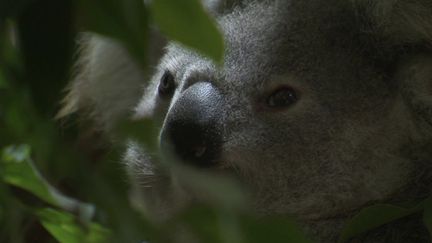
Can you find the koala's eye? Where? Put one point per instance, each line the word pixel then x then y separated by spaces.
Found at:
pixel 282 97
pixel 167 84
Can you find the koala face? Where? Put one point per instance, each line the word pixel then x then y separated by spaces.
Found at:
pixel 320 108
pixel 303 111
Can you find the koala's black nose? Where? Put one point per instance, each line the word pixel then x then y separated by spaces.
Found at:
pixel 192 128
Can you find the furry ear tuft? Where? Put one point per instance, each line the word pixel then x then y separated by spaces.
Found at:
pixel 108 83
pixel 405 25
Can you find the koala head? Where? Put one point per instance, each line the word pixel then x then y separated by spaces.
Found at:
pixel 320 108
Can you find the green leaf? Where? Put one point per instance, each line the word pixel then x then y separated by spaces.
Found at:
pixel 61 226
pixel 98 233
pixel 17 169
pixel 210 224
pixel 273 229
pixel 217 225
pixel 202 221
pixel 125 21
pixel 222 191
pixel 187 22
pixel 373 217
pixel 65 228
pixel 143 131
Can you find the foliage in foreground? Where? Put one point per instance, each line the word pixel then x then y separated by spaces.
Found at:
pixel 36 52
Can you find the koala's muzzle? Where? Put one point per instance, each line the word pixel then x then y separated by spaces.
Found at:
pixel 192 128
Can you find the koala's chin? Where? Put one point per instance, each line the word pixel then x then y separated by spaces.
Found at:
pixel 320 109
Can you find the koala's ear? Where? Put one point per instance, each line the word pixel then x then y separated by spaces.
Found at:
pixel 415 81
pixel 403 24
pixel 108 83
pixel 401 21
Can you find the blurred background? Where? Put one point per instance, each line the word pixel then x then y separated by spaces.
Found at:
pixel 38 46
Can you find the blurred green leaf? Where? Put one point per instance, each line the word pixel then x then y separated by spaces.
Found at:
pixel 209 224
pixel 125 21
pixel 10 58
pixel 66 229
pixel 203 222
pixel 12 218
pixel 213 224
pixel 143 131
pixel 221 191
pixel 61 225
pixel 187 22
pixel 18 170
pixel 15 118
pixel 98 233
pixel 373 217
pixel 273 229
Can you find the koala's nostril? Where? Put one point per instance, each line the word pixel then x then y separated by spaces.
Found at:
pixel 193 142
pixel 191 129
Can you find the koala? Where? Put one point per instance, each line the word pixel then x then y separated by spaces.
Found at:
pixel 321 108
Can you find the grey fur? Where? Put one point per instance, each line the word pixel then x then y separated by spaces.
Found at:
pixel 360 133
